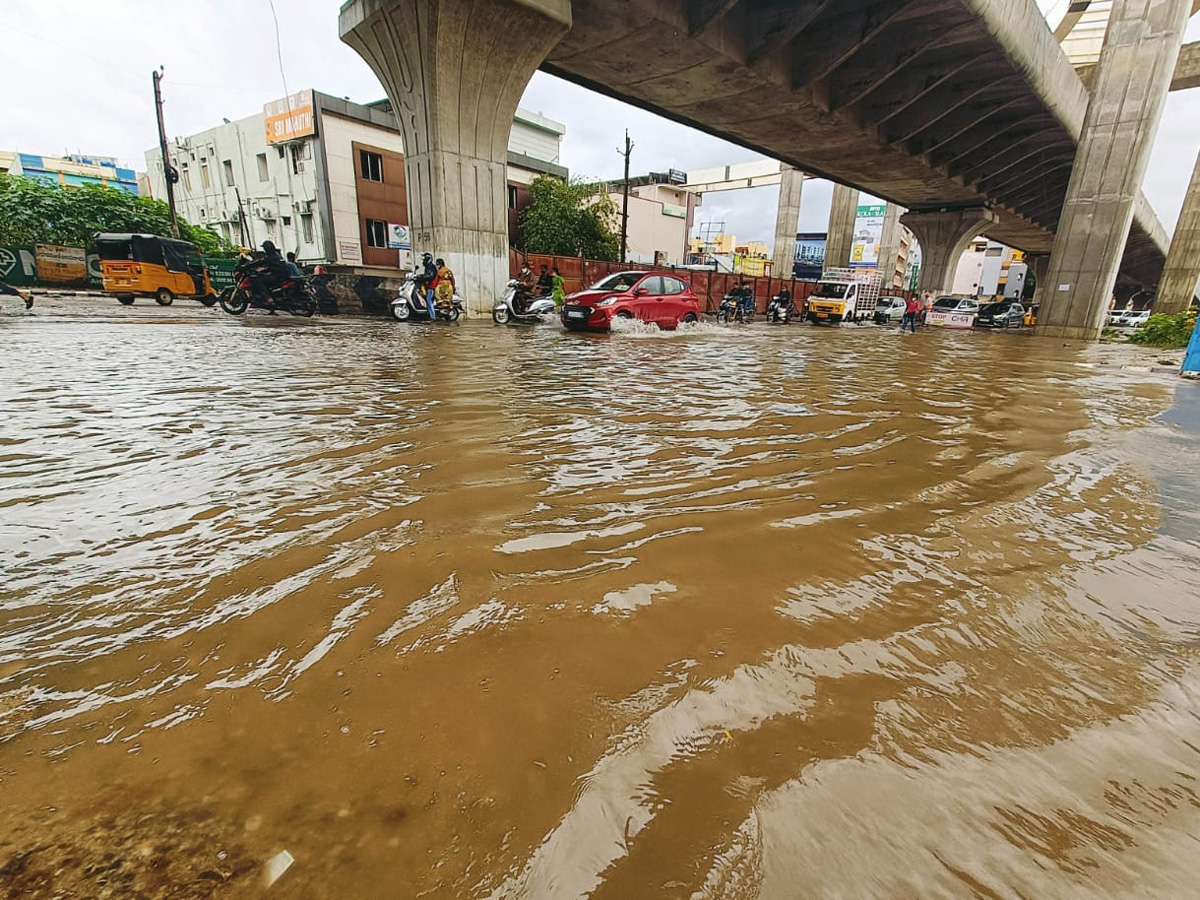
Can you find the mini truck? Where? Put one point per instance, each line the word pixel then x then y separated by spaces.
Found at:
pixel 843 295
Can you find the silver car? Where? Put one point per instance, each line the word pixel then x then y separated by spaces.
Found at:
pixel 888 310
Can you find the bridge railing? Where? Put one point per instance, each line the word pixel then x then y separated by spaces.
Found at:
pixel 709 286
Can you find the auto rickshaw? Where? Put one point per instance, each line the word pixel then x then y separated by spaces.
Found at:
pixel 1031 315
pixel 145 265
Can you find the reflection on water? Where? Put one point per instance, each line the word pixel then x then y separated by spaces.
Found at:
pixel 485 612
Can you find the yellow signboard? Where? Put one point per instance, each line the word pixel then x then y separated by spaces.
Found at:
pixel 61 265
pixel 290 118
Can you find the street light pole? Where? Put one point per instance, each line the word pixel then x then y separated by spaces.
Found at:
pixel 169 172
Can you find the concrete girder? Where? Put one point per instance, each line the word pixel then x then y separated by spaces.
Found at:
pixel 837 39
pixel 704 14
pixel 902 45
pixel 1049 191
pixel 943 235
pixel 772 24
pixel 884 104
pixel 1187 69
pixel 1006 131
pixel 941 104
pixel 455 89
pixel 999 186
pixel 1012 154
pixel 971 119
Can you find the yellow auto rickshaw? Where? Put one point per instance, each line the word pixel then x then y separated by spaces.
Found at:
pixel 145 265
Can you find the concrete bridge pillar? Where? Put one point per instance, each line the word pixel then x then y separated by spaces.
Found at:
pixel 944 235
pixel 1178 283
pixel 840 239
pixel 889 249
pixel 1039 265
pixel 454 73
pixel 1128 92
pixel 787 220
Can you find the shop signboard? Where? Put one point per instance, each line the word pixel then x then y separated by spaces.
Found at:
pixel 61 265
pixel 868 233
pixel 950 319
pixel 399 237
pixel 18 265
pixel 290 118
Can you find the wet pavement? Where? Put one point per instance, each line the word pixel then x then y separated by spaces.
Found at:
pixel 466 611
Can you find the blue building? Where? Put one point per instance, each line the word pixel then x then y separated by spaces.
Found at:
pixel 74 171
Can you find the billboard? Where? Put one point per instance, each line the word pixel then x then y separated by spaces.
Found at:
pixel 61 265
pixel 868 232
pixel 810 256
pixel 18 265
pixel 290 118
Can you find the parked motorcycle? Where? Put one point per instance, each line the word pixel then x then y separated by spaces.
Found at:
pixel 294 296
pixel 536 308
pixel 409 304
pixel 736 306
pixel 780 309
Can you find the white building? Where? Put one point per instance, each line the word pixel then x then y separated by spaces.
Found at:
pixel 321 177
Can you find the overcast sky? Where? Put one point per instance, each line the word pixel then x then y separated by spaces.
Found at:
pixel 79 81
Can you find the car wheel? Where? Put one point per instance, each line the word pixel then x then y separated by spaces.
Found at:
pixel 209 299
pixel 688 318
pixel 164 297
pixel 125 299
pixel 624 314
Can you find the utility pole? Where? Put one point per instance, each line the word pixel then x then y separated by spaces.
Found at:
pixel 169 174
pixel 625 200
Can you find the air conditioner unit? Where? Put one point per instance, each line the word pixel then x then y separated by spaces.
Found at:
pixel 266 212
pixel 303 206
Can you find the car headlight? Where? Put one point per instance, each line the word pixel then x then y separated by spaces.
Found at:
pixel 608 301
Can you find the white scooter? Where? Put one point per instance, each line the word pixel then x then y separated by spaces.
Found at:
pixel 538 308
pixel 409 304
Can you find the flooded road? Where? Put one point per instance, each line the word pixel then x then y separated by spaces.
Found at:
pixel 498 613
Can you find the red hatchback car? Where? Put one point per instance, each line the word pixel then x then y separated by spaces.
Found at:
pixel 649 296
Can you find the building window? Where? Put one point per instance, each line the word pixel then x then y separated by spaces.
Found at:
pixel 512 196
pixel 263 175
pixel 204 179
pixel 228 164
pixel 372 165
pixel 187 178
pixel 280 149
pixel 300 152
pixel 376 233
pixel 287 220
pixel 306 227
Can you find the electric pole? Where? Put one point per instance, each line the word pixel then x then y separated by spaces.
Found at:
pixel 169 174
pixel 625 200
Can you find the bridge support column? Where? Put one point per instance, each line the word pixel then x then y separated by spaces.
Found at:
pixel 889 249
pixel 1128 93
pixel 840 239
pixel 787 220
pixel 454 83
pixel 1178 283
pixel 944 235
pixel 1039 265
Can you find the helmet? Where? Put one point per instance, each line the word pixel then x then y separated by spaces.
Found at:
pixel 426 257
pixel 269 247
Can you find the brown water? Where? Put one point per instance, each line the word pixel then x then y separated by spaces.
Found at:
pixel 490 613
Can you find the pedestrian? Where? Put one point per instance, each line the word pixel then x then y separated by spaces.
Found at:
pixel 9 290
pixel 910 315
pixel 559 291
pixel 926 306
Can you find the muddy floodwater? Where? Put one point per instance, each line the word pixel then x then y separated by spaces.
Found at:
pixel 388 611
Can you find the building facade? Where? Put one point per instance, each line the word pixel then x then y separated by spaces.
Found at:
pixel 661 212
pixel 70 171
pixel 321 177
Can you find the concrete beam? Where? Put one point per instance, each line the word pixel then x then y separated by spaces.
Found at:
pixel 902 93
pixel 772 24
pixel 455 88
pixel 705 14
pixel 1187 69
pixel 834 42
pixel 1182 270
pixel 1132 77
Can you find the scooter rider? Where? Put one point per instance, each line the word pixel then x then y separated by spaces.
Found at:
pixel 427 281
pixel 524 290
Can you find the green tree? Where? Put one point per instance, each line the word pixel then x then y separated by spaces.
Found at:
pixel 33 212
pixel 569 218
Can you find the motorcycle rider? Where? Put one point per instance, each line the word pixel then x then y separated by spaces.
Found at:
pixel 273 272
pixel 545 283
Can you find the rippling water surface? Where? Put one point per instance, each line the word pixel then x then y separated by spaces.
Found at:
pixel 499 613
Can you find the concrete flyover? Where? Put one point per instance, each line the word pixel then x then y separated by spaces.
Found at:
pixel 934 105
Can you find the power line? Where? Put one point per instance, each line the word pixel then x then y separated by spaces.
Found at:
pixel 279 51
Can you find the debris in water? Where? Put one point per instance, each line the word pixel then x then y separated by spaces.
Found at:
pixel 276 866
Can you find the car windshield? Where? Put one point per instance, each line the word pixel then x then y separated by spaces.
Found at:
pixel 831 289
pixel 947 303
pixel 622 281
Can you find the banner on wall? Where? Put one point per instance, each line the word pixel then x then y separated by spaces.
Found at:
pixel 290 118
pixel 61 265
pixel 399 237
pixel 868 233
pixel 810 256
pixel 18 265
